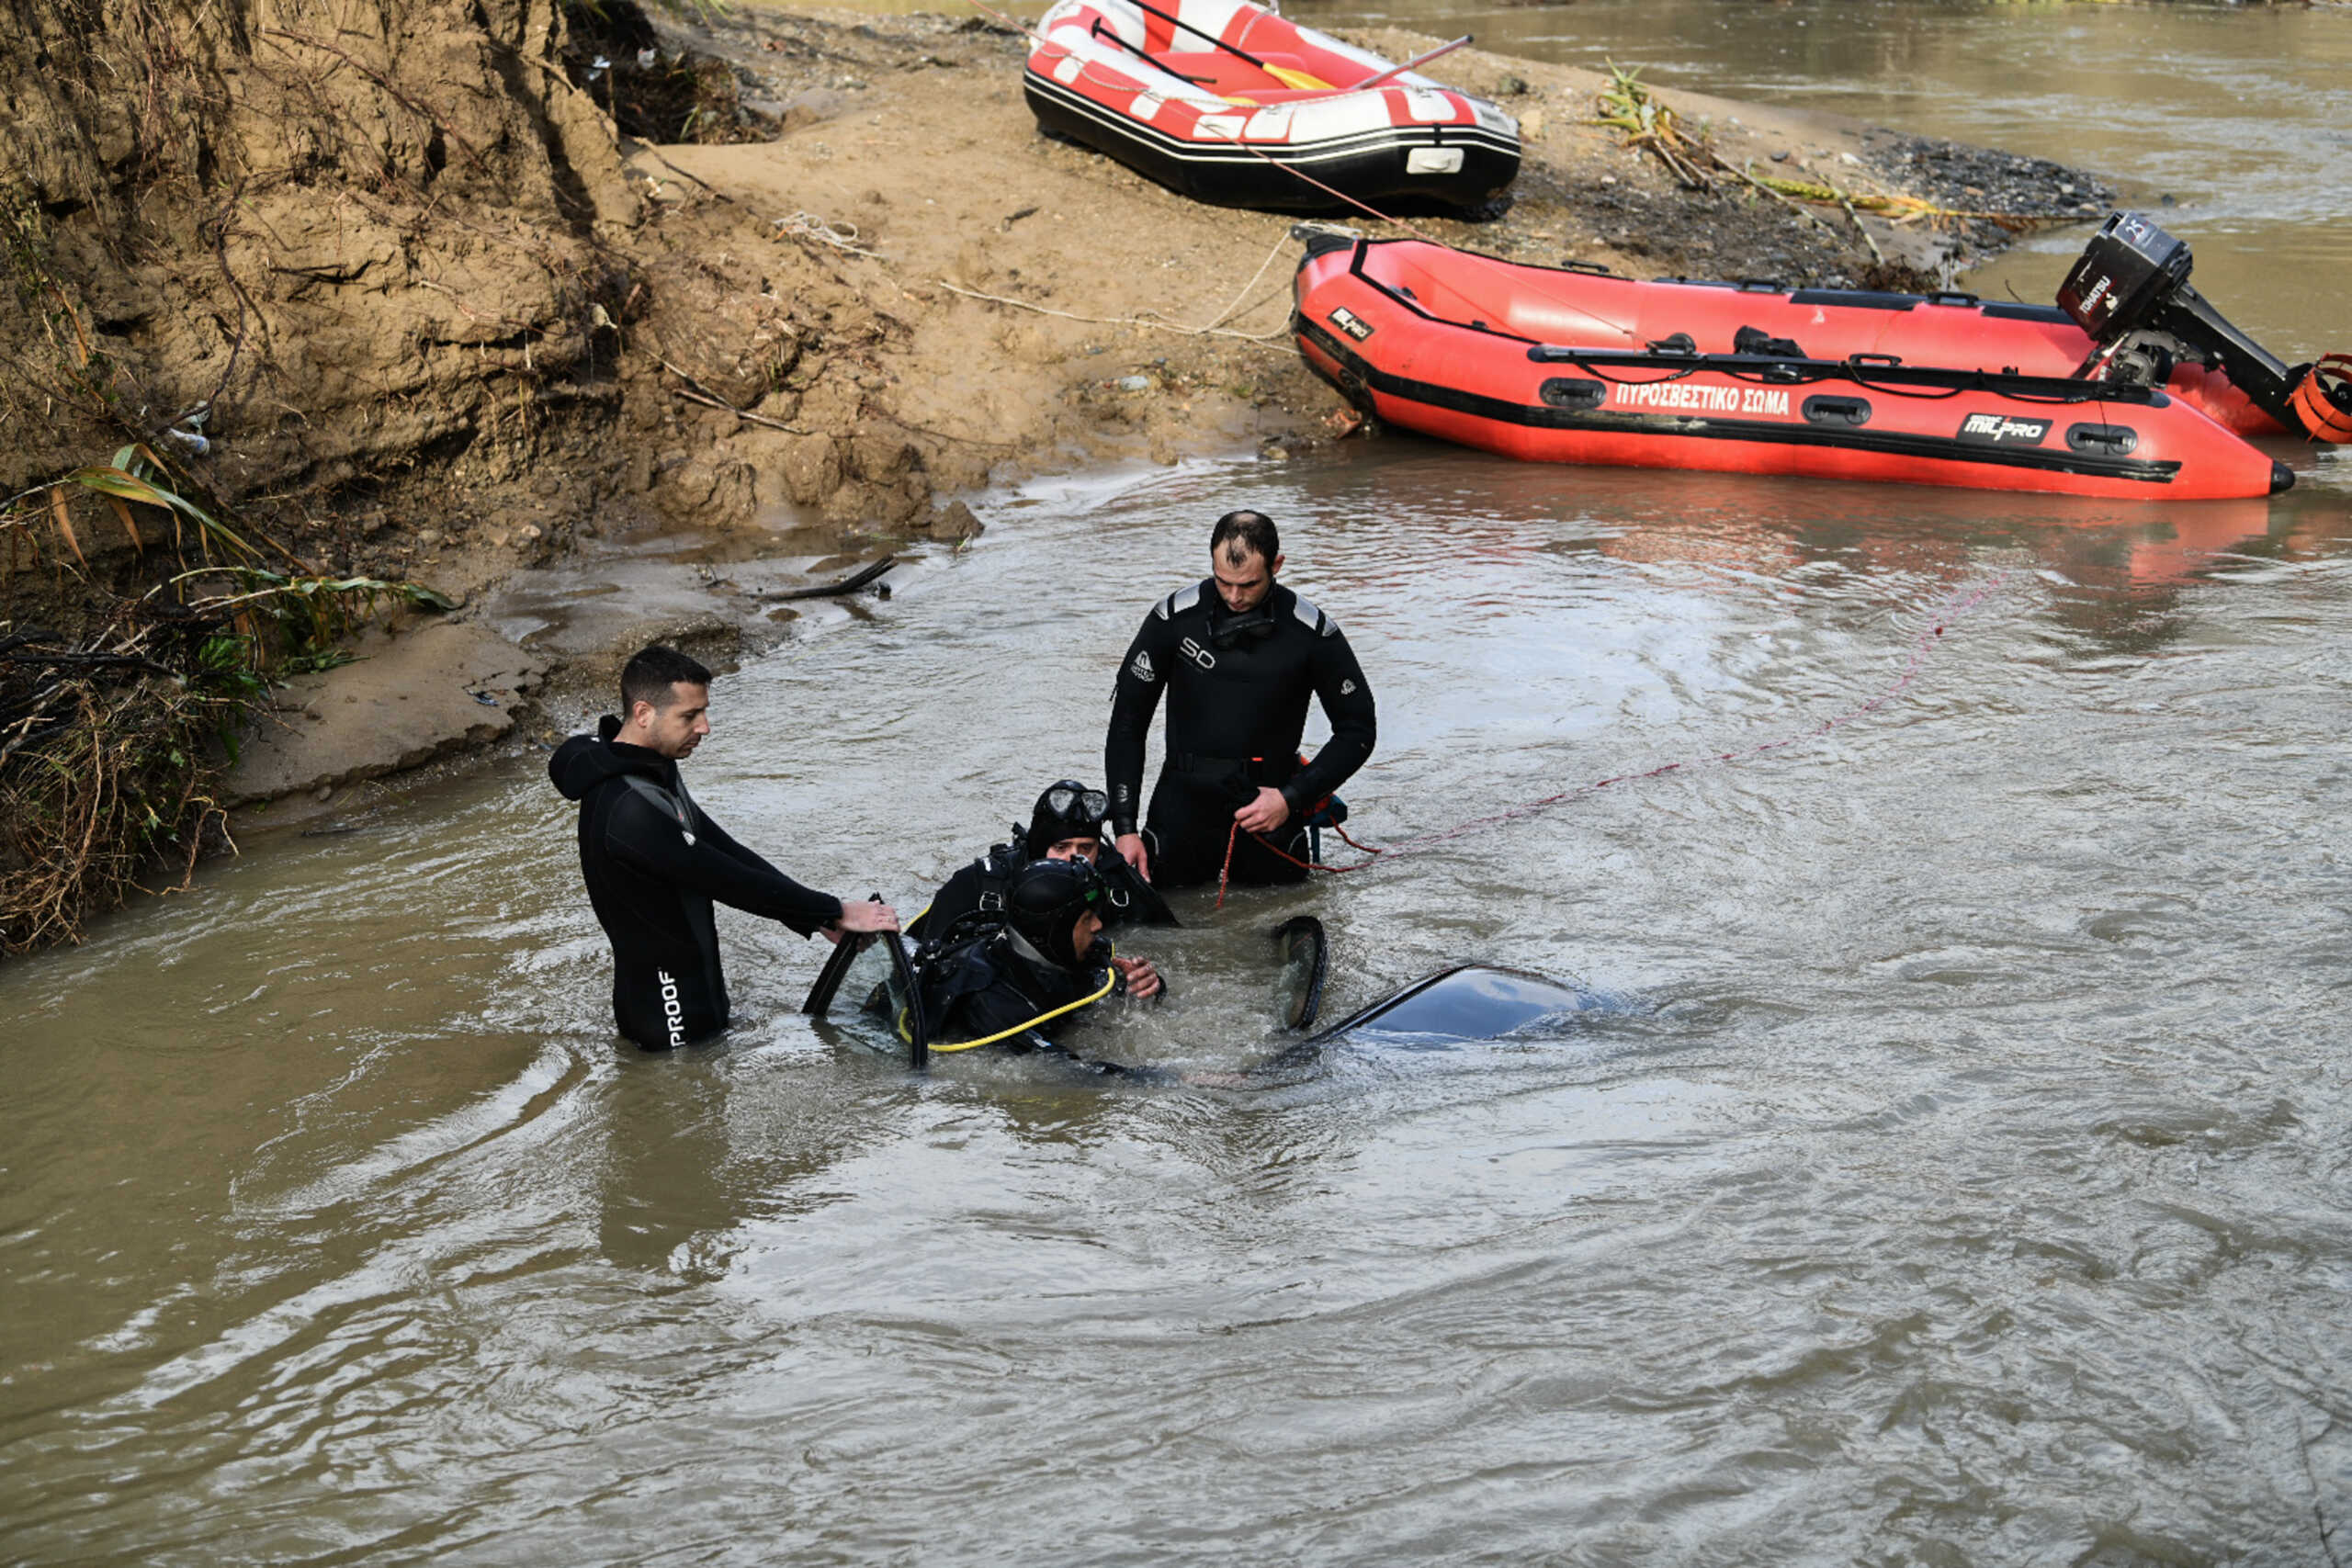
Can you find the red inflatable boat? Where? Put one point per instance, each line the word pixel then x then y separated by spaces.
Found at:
pixel 1576 365
pixel 1230 103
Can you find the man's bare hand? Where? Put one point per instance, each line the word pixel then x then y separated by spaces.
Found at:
pixel 1131 847
pixel 1265 814
pixel 1142 979
pixel 868 918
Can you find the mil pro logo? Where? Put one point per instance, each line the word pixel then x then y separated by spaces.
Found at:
pixel 2000 430
pixel 1348 322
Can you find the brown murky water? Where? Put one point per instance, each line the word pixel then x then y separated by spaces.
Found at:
pixel 2235 122
pixel 1963 1177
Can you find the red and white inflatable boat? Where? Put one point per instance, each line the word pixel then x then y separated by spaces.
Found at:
pixel 1230 103
pixel 1576 365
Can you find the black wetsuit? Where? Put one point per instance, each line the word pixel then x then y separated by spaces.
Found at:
pixel 654 864
pixel 1237 705
pixel 991 984
pixel 979 887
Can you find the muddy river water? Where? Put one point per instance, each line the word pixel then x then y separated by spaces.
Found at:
pixel 1963 1180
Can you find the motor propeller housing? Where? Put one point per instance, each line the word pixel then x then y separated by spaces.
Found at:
pixel 2124 276
pixel 2130 290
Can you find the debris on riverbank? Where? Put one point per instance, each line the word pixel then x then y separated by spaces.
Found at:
pixel 2017 204
pixel 405 294
pixel 111 738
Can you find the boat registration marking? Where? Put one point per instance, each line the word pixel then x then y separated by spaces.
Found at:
pixel 1700 397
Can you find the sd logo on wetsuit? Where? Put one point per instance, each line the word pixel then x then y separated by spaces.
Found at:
pixel 1237 684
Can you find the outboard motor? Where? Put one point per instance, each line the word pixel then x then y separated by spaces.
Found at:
pixel 2130 291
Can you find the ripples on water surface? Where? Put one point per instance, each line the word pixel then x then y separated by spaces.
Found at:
pixel 1965 1182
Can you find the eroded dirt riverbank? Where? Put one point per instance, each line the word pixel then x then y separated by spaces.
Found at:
pixel 632 391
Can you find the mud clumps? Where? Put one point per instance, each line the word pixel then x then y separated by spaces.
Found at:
pixel 651 92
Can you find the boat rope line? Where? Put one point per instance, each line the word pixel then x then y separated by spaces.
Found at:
pixel 1869 373
pixel 1697 427
pixel 1214 327
pixel 1956 605
pixel 1778 372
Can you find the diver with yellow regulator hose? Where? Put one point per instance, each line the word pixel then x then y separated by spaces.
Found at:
pixel 1016 983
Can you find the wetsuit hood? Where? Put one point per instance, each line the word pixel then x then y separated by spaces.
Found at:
pixel 582 762
pixel 1065 810
pixel 1042 905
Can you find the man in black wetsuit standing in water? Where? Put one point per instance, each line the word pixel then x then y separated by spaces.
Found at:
pixel 655 863
pixel 1238 654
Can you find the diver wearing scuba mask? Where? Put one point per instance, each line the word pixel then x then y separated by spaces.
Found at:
pixel 1066 823
pixel 1238 655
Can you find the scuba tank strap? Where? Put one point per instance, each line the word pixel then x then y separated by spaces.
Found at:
pixel 992 882
pixel 934 975
pixel 944 972
pixel 996 869
pixel 993 872
pixel 1132 900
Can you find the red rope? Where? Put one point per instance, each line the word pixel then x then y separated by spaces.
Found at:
pixel 1919 647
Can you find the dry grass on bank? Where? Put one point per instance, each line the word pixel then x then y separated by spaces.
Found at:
pixel 112 738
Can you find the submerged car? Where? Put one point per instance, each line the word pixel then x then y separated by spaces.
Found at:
pixel 1465 1003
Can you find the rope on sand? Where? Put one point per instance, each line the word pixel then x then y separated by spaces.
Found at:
pixel 1214 327
pixel 841 236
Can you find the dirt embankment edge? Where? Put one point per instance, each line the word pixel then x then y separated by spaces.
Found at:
pixel 403 291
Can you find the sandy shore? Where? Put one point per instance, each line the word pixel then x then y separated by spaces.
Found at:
pixel 894 294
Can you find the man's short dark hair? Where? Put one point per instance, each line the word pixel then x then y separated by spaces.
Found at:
pixel 1241 535
pixel 648 677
